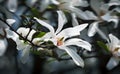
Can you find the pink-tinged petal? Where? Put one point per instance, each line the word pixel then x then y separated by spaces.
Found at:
pixel 76 58
pixel 74 20
pixel 3 46
pixel 61 21
pixel 10 21
pixel 45 25
pixel 78 42
pixel 92 29
pixel 113 62
pixel 69 32
pixel 12 5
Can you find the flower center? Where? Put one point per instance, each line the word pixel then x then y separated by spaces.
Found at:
pixel 60 41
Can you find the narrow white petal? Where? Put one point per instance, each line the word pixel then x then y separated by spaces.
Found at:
pixel 113 62
pixel 74 20
pixel 92 29
pixel 61 21
pixel 10 21
pixel 32 32
pixel 90 15
pixel 69 32
pixel 3 46
pixel 101 34
pixel 45 24
pixel 78 42
pixel 114 2
pixel 114 41
pixel 79 13
pixel 116 21
pixel 76 58
pixel 12 5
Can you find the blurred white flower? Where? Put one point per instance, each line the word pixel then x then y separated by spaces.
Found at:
pixel 3 46
pixel 12 5
pixel 103 14
pixel 4 32
pixel 71 6
pixel 114 47
pixel 59 37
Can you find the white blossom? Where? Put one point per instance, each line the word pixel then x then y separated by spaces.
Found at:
pixel 59 37
pixel 114 48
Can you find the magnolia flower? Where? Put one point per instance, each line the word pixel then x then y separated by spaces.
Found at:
pixel 103 14
pixel 114 47
pixel 59 37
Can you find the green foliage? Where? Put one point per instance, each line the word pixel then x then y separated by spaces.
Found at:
pixel 64 54
pixel 103 45
pixel 39 34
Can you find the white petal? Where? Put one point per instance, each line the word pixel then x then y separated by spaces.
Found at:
pixel 107 16
pixel 20 44
pixel 91 15
pixel 113 62
pixel 45 24
pixel 61 21
pixel 76 58
pixel 69 32
pixel 116 21
pixel 74 20
pixel 114 2
pixel 25 54
pixel 92 29
pixel 24 32
pixel 31 34
pixel 3 46
pixel 10 21
pixel 11 34
pixel 114 41
pixel 78 42
pixel 79 13
pixel 12 5
pixel 79 3
pixel 101 34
